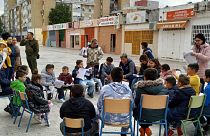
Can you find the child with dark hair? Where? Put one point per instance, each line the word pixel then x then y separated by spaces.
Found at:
pixel 115 90
pixel 83 80
pixel 48 79
pixel 36 100
pixel 25 69
pixel 105 71
pixel 143 60
pixel 66 77
pixel 79 107
pixel 165 71
pixel 178 106
pixel 146 50
pixel 194 78
pixel 150 85
pixel 170 85
pixel 154 63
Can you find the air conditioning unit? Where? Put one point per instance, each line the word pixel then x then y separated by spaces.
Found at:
pixel 196 7
pixel 208 6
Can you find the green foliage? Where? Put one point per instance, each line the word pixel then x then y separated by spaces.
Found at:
pixel 60 14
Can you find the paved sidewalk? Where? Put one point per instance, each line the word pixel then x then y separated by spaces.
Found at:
pixel 59 57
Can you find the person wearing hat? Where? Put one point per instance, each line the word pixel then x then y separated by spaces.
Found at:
pixel 201 50
pixel 128 67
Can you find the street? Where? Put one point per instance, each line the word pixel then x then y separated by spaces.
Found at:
pixel 59 57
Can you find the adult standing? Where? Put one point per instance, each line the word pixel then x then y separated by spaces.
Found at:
pixel 146 50
pixel 12 57
pixel 201 50
pixel 17 53
pixel 31 50
pixel 94 54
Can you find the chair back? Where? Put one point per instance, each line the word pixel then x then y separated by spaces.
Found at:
pixel 119 106
pixel 74 123
pixel 24 100
pixel 153 107
pixel 196 105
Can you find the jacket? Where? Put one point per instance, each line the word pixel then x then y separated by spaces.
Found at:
pixel 147 87
pixel 31 47
pixel 203 57
pixel 178 106
pixel 116 91
pixel 195 83
pixel 4 82
pixel 105 70
pixel 66 78
pixel 36 100
pixel 94 54
pixel 171 92
pixel 47 79
pixel 142 69
pixel 129 68
pixel 74 75
pixel 148 52
pixel 78 108
pixel 17 57
pixel 207 93
pixel 17 86
pixel 12 55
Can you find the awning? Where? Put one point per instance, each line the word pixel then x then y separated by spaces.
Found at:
pixel 172 25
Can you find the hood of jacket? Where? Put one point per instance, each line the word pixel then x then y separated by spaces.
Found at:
pixel 148 83
pixel 77 104
pixel 44 72
pixel 119 88
pixel 187 90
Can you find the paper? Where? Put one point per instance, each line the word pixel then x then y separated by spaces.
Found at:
pixel 189 58
pixel 59 83
pixel 81 73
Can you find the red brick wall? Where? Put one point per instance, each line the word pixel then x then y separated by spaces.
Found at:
pixel 104 39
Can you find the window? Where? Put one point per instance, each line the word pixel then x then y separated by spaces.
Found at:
pixel 204 29
pixel 113 42
pixel 76 39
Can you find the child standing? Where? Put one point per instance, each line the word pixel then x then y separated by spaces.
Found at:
pixel 67 78
pixel 194 78
pixel 48 79
pixel 178 106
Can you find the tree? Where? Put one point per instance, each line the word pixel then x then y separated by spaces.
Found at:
pixel 1 26
pixel 60 14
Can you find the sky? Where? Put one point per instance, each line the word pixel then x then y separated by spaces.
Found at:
pixel 162 3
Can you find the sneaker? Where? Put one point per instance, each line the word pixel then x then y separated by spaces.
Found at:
pixel 142 132
pixel 179 131
pixel 148 131
pixel 38 119
pixel 61 100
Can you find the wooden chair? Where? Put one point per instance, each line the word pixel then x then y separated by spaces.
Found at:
pixel 73 123
pixel 157 106
pixel 196 104
pixel 112 106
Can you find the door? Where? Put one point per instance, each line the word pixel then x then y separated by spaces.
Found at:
pixel 86 40
pixel 113 43
pixel 72 41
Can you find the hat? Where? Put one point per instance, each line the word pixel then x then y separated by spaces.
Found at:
pixel 3 42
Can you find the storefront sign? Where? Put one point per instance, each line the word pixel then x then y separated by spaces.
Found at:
pixel 180 14
pixel 88 23
pixel 136 17
pixel 57 26
pixel 107 21
pixel 172 25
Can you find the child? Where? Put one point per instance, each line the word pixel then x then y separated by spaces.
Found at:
pixel 165 71
pixel 143 60
pixel 5 48
pixel 48 79
pixel 36 100
pixel 178 106
pixel 67 78
pixel 25 69
pixel 83 80
pixel 194 78
pixel 170 85
pixel 150 85
pixel 105 71
pixel 18 86
pixel 154 63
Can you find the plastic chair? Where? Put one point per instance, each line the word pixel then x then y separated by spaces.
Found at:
pixel 73 123
pixel 153 110
pixel 65 90
pixel 25 106
pixel 196 105
pixel 113 106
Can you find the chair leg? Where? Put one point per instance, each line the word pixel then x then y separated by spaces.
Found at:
pixel 21 117
pixel 29 122
pixel 166 129
pixel 199 124
pixel 65 94
pixel 134 127
pixel 16 114
pixel 183 125
pixel 160 130
pixel 137 132
pixel 101 128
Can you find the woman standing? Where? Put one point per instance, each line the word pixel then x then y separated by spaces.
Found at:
pixel 201 50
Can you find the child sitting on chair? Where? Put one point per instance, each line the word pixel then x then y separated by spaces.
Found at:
pixel 48 79
pixel 170 85
pixel 66 77
pixel 36 100
pixel 178 106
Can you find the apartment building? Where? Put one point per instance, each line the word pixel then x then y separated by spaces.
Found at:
pixel 8 4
